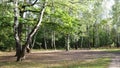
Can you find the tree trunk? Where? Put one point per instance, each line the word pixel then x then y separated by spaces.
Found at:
pixel 21 53
pixel 54 45
pixel 93 36
pixel 16 29
pixel 19 35
pixel 21 49
pixel 28 30
pixel 53 40
pixel 118 44
pixel 45 41
pixel 19 30
pixel 88 37
pixel 34 40
pixel 76 40
pixel 81 42
pixel 97 38
pixel 18 52
pixel 76 45
pixel 67 41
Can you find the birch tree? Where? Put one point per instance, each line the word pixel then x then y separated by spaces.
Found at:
pixel 21 48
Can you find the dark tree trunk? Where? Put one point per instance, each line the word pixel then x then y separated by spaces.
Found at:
pixel 117 44
pixel 81 45
pixel 45 43
pixel 19 35
pixel 52 39
pixel 88 37
pixel 76 40
pixel 76 45
pixel 93 36
pixel 21 53
pixel 54 45
pixel 18 52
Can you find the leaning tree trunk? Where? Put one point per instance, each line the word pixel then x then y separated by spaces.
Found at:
pixel 21 49
pixel 34 41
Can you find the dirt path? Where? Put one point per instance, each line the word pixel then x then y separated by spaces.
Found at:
pixel 115 62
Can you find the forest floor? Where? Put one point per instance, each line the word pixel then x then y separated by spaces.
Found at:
pixel 63 59
pixel 115 62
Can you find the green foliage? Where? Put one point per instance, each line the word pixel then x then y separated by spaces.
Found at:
pixel 6 30
pixel 79 19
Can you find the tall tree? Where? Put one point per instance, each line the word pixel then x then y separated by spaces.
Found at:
pixel 21 49
pixel 116 20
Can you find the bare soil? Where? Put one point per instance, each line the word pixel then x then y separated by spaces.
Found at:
pixel 52 57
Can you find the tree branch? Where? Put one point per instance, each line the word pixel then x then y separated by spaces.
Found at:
pixel 39 21
pixel 31 11
pixel 35 29
pixel 34 2
pixel 30 4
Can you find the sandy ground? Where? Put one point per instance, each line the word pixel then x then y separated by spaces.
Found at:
pixel 53 57
pixel 115 62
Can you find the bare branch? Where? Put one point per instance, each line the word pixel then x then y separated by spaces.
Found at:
pixel 35 29
pixel 31 11
pixel 30 4
pixel 34 2
pixel 39 21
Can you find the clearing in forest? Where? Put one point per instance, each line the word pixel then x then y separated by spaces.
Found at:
pixel 60 59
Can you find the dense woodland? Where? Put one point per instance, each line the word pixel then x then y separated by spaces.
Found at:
pixel 58 24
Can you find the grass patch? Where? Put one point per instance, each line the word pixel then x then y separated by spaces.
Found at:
pixel 95 63
pixel 21 65
pixel 113 50
pixel 4 53
pixel 108 49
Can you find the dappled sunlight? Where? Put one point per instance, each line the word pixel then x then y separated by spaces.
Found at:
pixel 54 57
pixel 59 59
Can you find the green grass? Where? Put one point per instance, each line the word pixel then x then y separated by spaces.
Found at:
pixel 95 63
pixel 113 50
pixel 108 49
